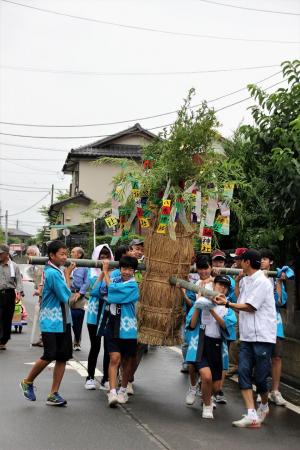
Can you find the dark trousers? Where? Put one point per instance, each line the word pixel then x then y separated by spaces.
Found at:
pixel 7 308
pixel 94 353
pixel 77 319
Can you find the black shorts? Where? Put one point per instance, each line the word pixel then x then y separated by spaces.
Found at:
pixel 126 347
pixel 211 357
pixel 57 346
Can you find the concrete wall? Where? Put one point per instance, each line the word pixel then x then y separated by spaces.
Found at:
pixel 291 346
pixel 95 181
pixel 71 214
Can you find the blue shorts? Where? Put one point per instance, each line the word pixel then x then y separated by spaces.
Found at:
pixel 255 356
pixel 211 357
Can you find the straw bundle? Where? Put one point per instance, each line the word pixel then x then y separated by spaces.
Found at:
pixel 160 311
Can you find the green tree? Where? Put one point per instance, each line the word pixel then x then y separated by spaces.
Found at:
pixel 268 153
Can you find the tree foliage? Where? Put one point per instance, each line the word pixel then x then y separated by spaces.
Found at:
pixel 268 154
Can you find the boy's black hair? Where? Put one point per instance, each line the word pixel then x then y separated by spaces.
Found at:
pixel 128 262
pixel 253 256
pixel 223 279
pixel 266 253
pixel 203 261
pixel 54 246
pixel 120 251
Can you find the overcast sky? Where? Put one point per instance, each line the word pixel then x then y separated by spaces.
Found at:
pixel 32 39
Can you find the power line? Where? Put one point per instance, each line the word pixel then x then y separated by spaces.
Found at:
pixel 33 148
pixel 28 186
pixel 107 135
pixel 135 119
pixel 20 190
pixel 31 168
pixel 149 29
pixel 30 207
pixel 104 74
pixel 29 159
pixel 270 11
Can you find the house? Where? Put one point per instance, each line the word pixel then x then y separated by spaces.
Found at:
pixel 91 182
pixel 16 233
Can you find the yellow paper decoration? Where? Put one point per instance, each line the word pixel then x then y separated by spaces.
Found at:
pixel 161 229
pixel 166 202
pixel 111 221
pixel 144 222
pixel 136 193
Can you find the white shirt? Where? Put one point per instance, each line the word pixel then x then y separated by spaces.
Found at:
pixel 260 325
pixel 212 328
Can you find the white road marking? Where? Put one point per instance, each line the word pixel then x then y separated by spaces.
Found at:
pixel 79 366
pixel 234 378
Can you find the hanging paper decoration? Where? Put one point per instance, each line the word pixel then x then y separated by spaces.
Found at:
pixel 144 222
pixel 228 191
pixel 212 206
pixel 221 224
pixel 111 221
pixel 115 208
pixel 224 208
pixel 206 244
pixel 161 229
pixel 172 224
pixel 198 206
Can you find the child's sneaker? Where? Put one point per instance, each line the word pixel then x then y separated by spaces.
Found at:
pixel 130 390
pixel 90 384
pixel 122 397
pixel 276 397
pixel 207 412
pixel 28 391
pixel 55 399
pixel 220 398
pixel 112 398
pixel 246 422
pixel 262 412
pixel 104 385
pixel 190 396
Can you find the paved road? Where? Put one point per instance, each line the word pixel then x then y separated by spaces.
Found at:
pixel 155 418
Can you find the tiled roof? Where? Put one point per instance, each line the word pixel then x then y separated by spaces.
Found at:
pixel 79 198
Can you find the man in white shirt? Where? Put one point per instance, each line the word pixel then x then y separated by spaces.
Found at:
pixel 257 324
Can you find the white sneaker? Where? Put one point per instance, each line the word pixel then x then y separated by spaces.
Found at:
pixel 130 390
pixel 262 413
pixel 276 397
pixel 207 412
pixel 90 384
pixel 246 422
pixel 112 399
pixel 258 398
pixel 190 396
pixel 104 386
pixel 122 397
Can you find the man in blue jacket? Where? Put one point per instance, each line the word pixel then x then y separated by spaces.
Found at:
pixel 55 324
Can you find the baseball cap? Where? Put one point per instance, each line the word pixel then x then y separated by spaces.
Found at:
pixel 252 255
pixel 222 279
pixel 218 254
pixel 4 248
pixel 137 242
pixel 238 252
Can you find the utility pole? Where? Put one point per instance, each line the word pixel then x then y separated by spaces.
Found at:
pixel 52 194
pixel 6 227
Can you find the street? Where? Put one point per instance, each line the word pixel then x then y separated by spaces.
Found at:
pixel 155 417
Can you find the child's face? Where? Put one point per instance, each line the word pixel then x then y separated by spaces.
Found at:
pixel 104 255
pixel 137 251
pixel 204 273
pixel 265 263
pixel 59 258
pixel 221 288
pixel 126 273
pixel 218 262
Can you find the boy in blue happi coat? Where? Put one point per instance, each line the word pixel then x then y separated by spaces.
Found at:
pixel 55 324
pixel 208 327
pixel 280 297
pixel 119 325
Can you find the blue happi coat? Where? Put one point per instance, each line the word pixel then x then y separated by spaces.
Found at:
pixel 192 336
pixel 124 294
pixel 289 273
pixel 54 310
pixel 98 293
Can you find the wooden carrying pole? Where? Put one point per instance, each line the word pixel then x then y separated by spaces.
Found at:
pixel 41 261
pixel 192 287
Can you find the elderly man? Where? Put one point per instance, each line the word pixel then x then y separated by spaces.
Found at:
pixel 258 324
pixel 10 288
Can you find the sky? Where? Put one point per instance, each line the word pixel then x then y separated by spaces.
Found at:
pixel 61 70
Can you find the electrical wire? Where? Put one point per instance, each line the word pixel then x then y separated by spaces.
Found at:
pixel 107 135
pixel 20 190
pixel 149 29
pixel 29 159
pixel 111 74
pixel 30 207
pixel 33 169
pixel 229 5
pixel 135 119
pixel 28 186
